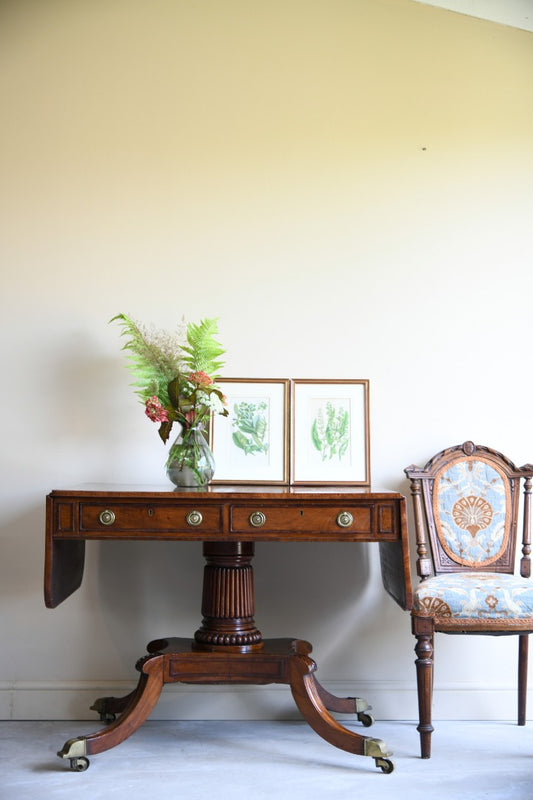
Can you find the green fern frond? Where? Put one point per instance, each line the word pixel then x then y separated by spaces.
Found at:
pixel 203 351
pixel 152 366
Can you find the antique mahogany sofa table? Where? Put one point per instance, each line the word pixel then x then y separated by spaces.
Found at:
pixel 228 647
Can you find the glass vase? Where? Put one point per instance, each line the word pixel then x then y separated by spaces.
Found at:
pixel 190 462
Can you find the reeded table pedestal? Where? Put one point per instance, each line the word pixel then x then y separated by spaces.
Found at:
pixel 227 648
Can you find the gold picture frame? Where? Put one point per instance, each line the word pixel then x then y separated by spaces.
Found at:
pixel 330 441
pixel 251 445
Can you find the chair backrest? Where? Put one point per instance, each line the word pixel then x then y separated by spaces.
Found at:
pixel 467 498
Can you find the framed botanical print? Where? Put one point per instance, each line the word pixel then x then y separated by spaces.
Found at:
pixel 330 432
pixel 251 445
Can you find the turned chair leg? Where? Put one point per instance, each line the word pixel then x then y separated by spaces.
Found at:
pixel 424 676
pixel 523 646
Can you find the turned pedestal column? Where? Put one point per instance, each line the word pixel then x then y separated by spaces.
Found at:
pixel 228 605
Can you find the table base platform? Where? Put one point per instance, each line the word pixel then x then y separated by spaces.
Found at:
pixel 180 660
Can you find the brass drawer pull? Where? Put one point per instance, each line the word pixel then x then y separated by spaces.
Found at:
pixel 257 519
pixel 107 517
pixel 344 519
pixel 194 518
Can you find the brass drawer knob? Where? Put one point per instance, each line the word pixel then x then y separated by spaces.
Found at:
pixel 257 519
pixel 344 519
pixel 107 517
pixel 194 518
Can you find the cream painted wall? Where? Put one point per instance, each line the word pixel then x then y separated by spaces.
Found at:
pixel 346 184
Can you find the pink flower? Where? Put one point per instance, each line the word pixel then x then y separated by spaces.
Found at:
pixel 155 411
pixel 201 379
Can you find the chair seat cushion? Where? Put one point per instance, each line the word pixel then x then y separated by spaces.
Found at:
pixel 475 596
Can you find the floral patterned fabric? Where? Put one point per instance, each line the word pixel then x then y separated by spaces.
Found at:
pixel 470 504
pixel 479 595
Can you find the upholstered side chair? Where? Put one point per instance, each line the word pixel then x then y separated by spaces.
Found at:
pixel 466 512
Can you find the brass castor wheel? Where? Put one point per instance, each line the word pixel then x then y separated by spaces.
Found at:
pixel 79 764
pixel 385 764
pixel 100 706
pixel 366 719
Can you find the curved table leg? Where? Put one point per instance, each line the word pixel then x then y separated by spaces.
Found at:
pixel 307 696
pixel 141 703
pixel 345 705
pixel 109 707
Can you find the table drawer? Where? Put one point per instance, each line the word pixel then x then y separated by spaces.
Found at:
pixel 291 519
pixel 156 518
pixel 367 521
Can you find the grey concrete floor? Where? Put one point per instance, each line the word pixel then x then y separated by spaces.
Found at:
pixel 259 760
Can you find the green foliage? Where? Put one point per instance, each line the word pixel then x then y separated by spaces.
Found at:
pixel 251 427
pixel 203 352
pixel 153 366
pixel 175 374
pixel 330 436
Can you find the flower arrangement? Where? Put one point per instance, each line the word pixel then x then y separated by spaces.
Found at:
pixel 175 374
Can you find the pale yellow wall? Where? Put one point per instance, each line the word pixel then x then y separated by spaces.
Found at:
pixel 346 184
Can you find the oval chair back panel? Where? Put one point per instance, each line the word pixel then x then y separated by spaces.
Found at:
pixel 472 513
